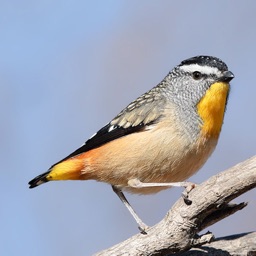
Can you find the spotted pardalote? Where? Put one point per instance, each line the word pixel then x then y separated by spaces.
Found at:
pixel 162 137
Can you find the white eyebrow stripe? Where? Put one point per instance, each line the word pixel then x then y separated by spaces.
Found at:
pixel 203 69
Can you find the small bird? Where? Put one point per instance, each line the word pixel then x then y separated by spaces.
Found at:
pixel 160 139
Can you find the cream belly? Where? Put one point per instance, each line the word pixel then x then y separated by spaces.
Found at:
pixel 156 155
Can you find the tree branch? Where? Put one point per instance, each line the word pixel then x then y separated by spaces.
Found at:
pixel 210 203
pixel 241 244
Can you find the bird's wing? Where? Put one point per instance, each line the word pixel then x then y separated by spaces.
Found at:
pixel 136 117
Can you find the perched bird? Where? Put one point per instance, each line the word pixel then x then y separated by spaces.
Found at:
pixel 161 138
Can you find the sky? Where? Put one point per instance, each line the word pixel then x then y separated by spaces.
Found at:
pixel 66 69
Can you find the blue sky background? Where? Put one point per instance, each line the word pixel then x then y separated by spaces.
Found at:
pixel 66 69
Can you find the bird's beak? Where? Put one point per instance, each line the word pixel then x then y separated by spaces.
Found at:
pixel 227 76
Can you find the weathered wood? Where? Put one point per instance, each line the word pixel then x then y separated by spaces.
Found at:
pixel 241 244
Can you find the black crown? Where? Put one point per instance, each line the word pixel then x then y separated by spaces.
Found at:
pixel 206 61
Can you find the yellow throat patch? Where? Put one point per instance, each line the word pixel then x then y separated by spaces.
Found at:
pixel 211 108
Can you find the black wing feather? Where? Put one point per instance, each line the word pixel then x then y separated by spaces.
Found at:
pixel 103 136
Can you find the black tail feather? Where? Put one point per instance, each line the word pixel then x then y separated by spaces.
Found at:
pixel 38 180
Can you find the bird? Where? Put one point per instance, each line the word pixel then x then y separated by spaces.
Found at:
pixel 160 139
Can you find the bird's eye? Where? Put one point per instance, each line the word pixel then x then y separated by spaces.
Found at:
pixel 197 75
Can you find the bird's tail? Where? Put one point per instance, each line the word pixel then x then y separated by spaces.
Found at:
pixel 38 180
pixel 69 169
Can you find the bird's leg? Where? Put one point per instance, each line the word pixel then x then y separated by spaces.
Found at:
pixel 141 224
pixel 185 193
pixel 136 183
